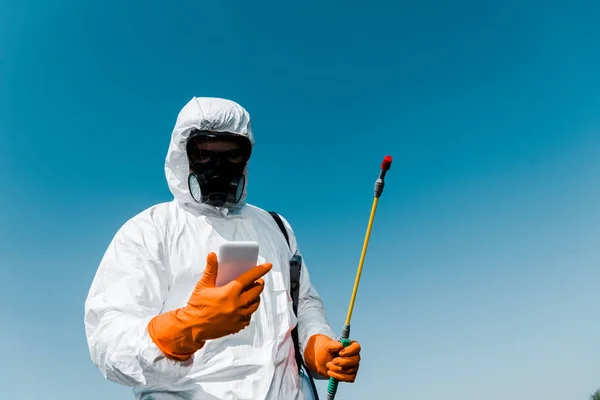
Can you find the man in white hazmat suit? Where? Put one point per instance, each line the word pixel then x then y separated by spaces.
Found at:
pixel 154 318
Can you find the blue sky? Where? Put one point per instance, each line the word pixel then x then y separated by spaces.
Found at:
pixel 482 275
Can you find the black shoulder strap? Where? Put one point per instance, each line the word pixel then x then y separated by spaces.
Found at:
pixel 277 219
pixel 295 265
pixel 295 269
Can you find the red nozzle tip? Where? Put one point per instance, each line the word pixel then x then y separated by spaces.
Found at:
pixel 387 163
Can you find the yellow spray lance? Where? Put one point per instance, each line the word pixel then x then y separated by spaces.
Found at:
pixel 344 337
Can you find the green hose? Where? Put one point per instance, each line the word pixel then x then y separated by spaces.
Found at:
pixel 333 383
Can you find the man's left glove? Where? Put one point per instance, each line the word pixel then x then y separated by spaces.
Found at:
pixel 329 358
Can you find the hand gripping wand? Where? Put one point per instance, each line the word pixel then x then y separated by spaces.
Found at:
pixel 344 337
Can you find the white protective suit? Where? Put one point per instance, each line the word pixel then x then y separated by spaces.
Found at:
pixel 152 266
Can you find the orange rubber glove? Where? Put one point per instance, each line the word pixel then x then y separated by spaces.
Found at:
pixel 211 312
pixel 329 358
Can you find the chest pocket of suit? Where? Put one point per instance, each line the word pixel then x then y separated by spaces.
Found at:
pixel 283 319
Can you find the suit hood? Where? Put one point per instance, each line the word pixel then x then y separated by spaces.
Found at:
pixel 205 114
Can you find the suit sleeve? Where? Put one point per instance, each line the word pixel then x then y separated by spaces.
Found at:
pixel 312 317
pixel 127 291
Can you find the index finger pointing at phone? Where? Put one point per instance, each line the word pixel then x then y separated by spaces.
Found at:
pixel 248 278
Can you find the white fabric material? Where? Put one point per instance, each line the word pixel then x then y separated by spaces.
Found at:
pixel 152 266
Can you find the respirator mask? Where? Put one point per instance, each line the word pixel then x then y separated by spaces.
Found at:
pixel 217 162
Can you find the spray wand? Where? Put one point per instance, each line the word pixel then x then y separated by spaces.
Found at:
pixel 344 337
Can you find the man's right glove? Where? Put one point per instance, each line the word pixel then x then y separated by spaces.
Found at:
pixel 211 312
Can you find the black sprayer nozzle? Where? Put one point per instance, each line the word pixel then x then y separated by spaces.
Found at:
pixel 380 183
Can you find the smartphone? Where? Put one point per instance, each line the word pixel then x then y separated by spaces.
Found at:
pixel 235 258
